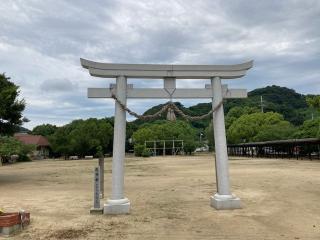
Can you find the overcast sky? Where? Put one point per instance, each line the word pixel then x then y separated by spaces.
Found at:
pixel 41 42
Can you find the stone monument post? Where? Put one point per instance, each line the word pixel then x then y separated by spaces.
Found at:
pixel 96 192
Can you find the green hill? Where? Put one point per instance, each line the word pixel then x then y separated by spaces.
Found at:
pixel 290 104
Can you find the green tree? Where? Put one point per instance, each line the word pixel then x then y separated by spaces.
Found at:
pixel 314 101
pixel 99 152
pixel 146 153
pixel 259 127
pixel 44 130
pixel 60 141
pixel 131 127
pixel 233 114
pixel 189 146
pixel 309 129
pixel 166 130
pixel 210 136
pixel 10 106
pixel 11 146
pixel 138 149
pixel 237 112
pixel 82 137
pixel 278 131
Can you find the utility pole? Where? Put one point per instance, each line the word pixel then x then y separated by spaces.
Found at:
pixel 261 103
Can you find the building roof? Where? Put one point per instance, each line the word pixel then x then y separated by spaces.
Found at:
pixel 278 142
pixel 37 140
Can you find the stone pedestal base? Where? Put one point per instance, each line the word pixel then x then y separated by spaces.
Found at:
pixel 222 202
pixel 96 210
pixel 119 206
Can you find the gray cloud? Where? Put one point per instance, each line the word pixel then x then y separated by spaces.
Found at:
pixel 60 85
pixel 41 43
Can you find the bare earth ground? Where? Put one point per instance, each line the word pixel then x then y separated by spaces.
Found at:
pixel 169 199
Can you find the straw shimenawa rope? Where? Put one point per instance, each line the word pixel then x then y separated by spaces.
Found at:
pixel 171 106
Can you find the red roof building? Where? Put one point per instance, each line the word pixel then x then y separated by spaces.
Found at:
pixel 41 142
pixel 37 140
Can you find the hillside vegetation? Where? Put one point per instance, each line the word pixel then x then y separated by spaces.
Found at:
pixel 292 105
pixel 284 114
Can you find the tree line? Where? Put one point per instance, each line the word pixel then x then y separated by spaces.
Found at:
pixel 286 114
pixel 243 124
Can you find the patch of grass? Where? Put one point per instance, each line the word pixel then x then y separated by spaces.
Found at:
pixel 69 233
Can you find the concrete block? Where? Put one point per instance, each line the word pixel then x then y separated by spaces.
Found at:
pixel 225 202
pixel 96 211
pixel 7 231
pixel 114 207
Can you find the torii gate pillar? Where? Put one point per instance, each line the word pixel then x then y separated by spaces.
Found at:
pixel 223 199
pixel 118 204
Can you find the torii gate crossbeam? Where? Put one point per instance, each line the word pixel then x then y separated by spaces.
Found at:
pixel 223 199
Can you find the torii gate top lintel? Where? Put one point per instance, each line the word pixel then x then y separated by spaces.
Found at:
pixel 110 70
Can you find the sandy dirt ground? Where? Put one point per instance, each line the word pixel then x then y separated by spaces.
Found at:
pixel 169 199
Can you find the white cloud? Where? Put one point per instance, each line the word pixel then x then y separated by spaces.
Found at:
pixel 41 43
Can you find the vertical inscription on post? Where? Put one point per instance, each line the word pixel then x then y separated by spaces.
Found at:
pixel 96 197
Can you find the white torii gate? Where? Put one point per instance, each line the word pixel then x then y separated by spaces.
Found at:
pixel 223 199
